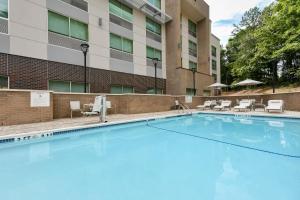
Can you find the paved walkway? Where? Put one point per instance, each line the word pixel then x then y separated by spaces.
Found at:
pixel 86 121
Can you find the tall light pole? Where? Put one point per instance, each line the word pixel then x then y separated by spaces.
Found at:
pixel 84 49
pixel 155 61
pixel 194 70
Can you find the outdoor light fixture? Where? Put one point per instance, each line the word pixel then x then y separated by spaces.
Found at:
pixel 84 48
pixel 155 62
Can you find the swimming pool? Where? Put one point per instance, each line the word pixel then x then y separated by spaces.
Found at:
pixel 203 156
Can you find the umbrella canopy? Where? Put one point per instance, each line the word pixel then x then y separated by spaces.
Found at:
pixel 218 85
pixel 248 82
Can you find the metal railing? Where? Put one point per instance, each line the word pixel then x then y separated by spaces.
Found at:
pixel 83 5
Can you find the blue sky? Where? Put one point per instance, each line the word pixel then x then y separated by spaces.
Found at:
pixel 225 13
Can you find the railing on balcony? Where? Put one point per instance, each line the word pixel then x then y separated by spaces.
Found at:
pixel 149 10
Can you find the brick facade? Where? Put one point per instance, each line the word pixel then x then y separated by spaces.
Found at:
pixel 31 73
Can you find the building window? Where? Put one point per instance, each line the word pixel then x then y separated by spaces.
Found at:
pixel 156 3
pixel 153 53
pixel 120 43
pixel 120 10
pixel 192 65
pixel 4 8
pixel 4 82
pixel 153 26
pixel 214 65
pixel 66 26
pixel 67 86
pixel 192 28
pixel 189 91
pixel 214 51
pixel 214 77
pixel 192 49
pixel 152 91
pixel 121 89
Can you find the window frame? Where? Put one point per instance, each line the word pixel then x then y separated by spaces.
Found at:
pixel 122 88
pixel 69 27
pixel 213 51
pixel 190 22
pixel 193 52
pixel 8 81
pixel 193 63
pixel 154 4
pixel 122 43
pixel 122 5
pixel 155 23
pixel 70 85
pixel 154 52
pixel 8 3
pixel 214 67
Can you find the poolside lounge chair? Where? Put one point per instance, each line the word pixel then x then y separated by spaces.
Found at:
pixel 275 105
pixel 206 105
pixel 96 107
pixel 224 105
pixel 74 107
pixel 244 105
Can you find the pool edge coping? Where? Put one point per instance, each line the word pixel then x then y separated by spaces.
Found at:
pixel 52 132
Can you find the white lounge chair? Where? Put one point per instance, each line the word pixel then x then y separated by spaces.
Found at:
pixel 74 107
pixel 224 105
pixel 96 107
pixel 244 105
pixel 207 104
pixel 275 105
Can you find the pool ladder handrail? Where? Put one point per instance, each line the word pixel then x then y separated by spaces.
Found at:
pixel 186 109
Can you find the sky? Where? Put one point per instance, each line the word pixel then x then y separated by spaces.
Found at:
pixel 225 13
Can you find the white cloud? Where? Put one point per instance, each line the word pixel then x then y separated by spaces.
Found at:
pixel 229 11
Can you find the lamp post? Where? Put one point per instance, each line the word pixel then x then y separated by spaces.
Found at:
pixel 84 49
pixel 155 61
pixel 194 70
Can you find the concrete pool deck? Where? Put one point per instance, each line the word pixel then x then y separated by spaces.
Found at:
pixel 81 122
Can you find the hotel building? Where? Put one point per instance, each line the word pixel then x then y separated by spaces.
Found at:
pixel 40 45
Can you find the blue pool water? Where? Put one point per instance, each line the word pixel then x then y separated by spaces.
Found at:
pixel 209 157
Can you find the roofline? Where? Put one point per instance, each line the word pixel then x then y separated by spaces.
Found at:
pixel 215 36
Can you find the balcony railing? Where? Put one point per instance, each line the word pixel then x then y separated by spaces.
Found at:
pixel 149 10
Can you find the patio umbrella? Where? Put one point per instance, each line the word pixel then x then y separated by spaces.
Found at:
pixel 217 86
pixel 248 82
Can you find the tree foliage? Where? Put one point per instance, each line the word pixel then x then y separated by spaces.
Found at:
pixel 264 43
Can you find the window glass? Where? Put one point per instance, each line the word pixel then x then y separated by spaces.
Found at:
pixel 78 30
pixel 190 91
pixel 153 26
pixel 58 23
pixel 213 51
pixel 192 65
pixel 192 27
pixel 59 86
pixel 153 53
pixel 214 64
pixel 156 3
pixel 127 45
pixel 152 91
pixel 127 89
pixel 79 87
pixel 192 46
pixel 3 82
pixel 116 89
pixel 4 8
pixel 121 10
pixel 115 42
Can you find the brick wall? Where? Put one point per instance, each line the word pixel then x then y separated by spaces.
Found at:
pixel 15 104
pixel 34 74
pixel 15 108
